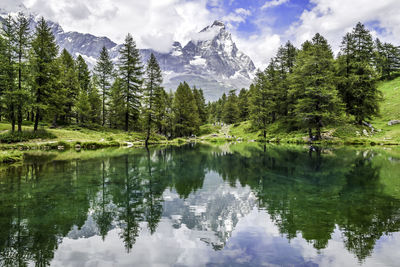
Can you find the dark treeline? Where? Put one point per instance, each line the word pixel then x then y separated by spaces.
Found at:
pixel 311 192
pixel 40 84
pixel 308 88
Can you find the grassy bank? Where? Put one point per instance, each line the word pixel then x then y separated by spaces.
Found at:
pixel 14 146
pixel 345 133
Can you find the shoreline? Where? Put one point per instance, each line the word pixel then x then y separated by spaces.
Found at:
pixel 14 153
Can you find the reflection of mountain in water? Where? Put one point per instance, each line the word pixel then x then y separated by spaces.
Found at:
pixel 212 211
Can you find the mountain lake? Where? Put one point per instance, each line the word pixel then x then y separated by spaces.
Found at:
pixel 243 204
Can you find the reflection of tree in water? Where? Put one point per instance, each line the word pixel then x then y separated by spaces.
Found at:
pixel 365 212
pixel 307 191
pixel 104 213
pixel 311 192
pixel 46 210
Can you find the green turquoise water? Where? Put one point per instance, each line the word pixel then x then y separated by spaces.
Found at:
pixel 200 205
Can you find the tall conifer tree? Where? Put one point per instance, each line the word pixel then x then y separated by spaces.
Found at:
pixel 10 88
pixel 44 53
pixel 104 73
pixel 357 81
pixel 186 115
pixel 130 72
pixel 314 87
pixel 152 93
pixel 22 44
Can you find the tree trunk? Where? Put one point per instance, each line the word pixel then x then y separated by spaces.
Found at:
pixel 319 133
pixel 54 123
pixel 35 127
pixel 104 109
pixel 310 134
pixel 12 118
pixel 19 118
pixel 148 130
pixel 126 121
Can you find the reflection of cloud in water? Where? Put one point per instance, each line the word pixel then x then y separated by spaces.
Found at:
pixel 227 218
pixel 255 241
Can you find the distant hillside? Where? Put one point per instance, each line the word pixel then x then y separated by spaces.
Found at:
pixel 390 110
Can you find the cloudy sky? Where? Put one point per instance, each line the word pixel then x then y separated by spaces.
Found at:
pixel 258 26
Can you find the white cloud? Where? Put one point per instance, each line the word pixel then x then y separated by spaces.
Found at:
pixel 156 24
pixel 260 48
pixel 274 3
pixel 243 11
pixel 153 23
pixel 333 19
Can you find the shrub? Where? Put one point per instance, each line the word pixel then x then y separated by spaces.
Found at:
pixel 24 136
pixel 10 156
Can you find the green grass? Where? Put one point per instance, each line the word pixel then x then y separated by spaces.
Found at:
pixel 244 131
pixel 17 137
pixel 390 110
pixel 346 133
pixel 11 156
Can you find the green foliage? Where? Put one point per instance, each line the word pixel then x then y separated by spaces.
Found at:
pixel 313 86
pixel 24 136
pixel 186 115
pixel 201 104
pixel 44 70
pixel 231 113
pixel 11 156
pixel 386 59
pixel 83 73
pixel 152 96
pixel 207 129
pixel 103 73
pixel 357 77
pixel 243 105
pixel 117 109
pixel 130 73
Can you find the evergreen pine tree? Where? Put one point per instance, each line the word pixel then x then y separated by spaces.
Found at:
pixel 386 59
pixel 231 110
pixel 168 119
pixel 186 115
pixel 3 74
pixel 283 65
pixel 357 77
pixel 10 87
pixel 152 94
pixel 117 109
pixel 22 44
pixel 243 105
pixel 95 103
pixel 69 84
pixel 201 104
pixel 260 103
pixel 83 108
pixel 42 61
pixel 130 72
pixel 103 72
pixel 83 73
pixel 314 86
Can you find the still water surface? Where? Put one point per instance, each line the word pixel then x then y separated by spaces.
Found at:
pixel 199 205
